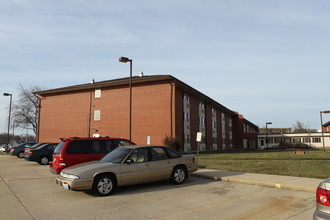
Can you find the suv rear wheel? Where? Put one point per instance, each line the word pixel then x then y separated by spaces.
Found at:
pixel 104 185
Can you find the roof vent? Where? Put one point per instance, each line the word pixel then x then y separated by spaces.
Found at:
pixel 92 81
pixel 140 74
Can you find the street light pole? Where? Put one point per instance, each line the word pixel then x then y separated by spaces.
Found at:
pixel 125 60
pixel 267 123
pixel 11 96
pixel 324 112
pixel 13 134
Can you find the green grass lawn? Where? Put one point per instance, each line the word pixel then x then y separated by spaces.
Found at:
pixel 314 164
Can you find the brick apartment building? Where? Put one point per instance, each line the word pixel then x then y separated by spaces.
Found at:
pixel 326 127
pixel 162 106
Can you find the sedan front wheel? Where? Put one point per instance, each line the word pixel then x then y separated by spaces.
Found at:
pixel 104 185
pixel 178 175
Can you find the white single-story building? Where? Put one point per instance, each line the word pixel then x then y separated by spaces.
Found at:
pixel 294 139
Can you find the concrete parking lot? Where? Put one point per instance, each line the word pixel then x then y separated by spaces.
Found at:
pixel 28 191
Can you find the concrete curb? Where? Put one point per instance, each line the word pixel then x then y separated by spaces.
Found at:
pixel 254 182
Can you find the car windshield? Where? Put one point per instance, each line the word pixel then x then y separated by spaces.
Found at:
pixel 117 155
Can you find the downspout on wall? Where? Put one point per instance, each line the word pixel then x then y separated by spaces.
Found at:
pixel 171 110
pixel 38 119
pixel 89 114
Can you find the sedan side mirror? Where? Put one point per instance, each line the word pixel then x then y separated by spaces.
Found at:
pixel 129 161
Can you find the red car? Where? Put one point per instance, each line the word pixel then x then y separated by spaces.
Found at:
pixel 75 150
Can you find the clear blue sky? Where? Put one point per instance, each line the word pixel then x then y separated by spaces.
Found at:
pixel 268 60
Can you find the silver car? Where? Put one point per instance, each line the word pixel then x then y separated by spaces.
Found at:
pixel 3 148
pixel 126 166
pixel 322 211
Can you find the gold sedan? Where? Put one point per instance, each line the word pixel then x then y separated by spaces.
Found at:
pixel 126 166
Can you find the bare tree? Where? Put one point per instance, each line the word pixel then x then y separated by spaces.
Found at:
pixel 25 109
pixel 299 127
pixel 17 138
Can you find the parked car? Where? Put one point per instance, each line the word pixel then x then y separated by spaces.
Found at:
pixel 322 211
pixel 126 166
pixel 4 148
pixel 75 150
pixel 41 154
pixel 19 149
pixel 32 147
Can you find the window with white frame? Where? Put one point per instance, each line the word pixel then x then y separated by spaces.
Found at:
pixel 223 125
pixel 203 139
pixel 214 124
pixel 97 115
pixel 186 116
pixel 202 121
pixel 306 140
pixel 188 138
pixel 201 104
pixel 186 97
pixel 97 93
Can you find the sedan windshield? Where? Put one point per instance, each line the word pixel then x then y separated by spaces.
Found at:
pixel 117 155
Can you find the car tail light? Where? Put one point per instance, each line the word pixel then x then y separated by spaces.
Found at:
pixel 322 196
pixel 29 153
pixel 62 162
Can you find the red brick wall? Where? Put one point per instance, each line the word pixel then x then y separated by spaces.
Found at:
pixel 114 107
pixel 326 128
pixel 178 120
pixel 239 131
pixel 151 117
pixel 65 115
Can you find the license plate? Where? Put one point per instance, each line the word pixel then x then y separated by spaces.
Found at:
pixel 66 186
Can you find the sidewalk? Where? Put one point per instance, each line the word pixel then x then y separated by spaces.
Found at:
pixel 277 181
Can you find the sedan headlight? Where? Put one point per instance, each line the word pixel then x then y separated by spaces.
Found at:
pixel 69 176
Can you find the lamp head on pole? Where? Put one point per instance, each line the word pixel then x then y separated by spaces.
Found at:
pixel 124 59
pixel 268 123
pixel 325 112
pixel 7 94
